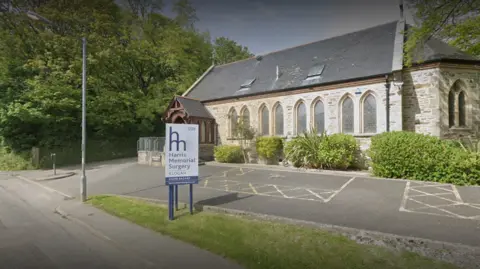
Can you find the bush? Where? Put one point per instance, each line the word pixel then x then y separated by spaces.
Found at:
pixel 228 154
pixel 338 151
pixel 269 147
pixel 302 151
pixel 310 150
pixel 12 161
pixel 422 157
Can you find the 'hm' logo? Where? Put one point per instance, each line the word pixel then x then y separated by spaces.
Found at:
pixel 177 141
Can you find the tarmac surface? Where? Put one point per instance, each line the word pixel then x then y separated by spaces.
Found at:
pixel 427 210
pixel 39 229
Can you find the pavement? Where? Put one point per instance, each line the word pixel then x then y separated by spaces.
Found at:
pixel 433 211
pixel 40 229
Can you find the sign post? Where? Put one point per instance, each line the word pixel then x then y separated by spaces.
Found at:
pixel 181 162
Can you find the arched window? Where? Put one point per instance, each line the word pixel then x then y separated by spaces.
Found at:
pixel 451 108
pixel 369 114
pixel 461 109
pixel 209 133
pixel 301 121
pixel 264 120
pixel 233 122
pixel 348 117
pixel 203 132
pixel 278 121
pixel 245 117
pixel 319 116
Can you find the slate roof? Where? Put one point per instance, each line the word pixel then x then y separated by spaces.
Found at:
pixel 435 50
pixel 194 107
pixel 362 54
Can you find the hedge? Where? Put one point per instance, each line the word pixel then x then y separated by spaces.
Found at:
pixel 422 157
pixel 228 154
pixel 269 147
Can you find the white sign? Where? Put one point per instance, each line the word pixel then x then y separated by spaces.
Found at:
pixel 181 154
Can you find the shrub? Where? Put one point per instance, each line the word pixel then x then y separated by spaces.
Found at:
pixel 11 161
pixel 311 150
pixel 423 157
pixel 228 154
pixel 269 147
pixel 302 151
pixel 338 151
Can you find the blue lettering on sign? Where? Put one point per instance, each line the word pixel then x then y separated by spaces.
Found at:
pixel 177 141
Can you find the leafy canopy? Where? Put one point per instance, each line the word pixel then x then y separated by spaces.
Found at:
pixel 456 21
pixel 137 59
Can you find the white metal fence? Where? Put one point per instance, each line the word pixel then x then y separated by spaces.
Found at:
pixel 151 144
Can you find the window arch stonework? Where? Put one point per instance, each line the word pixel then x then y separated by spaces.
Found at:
pixel 278 119
pixel 300 117
pixel 347 112
pixel 369 113
pixel 319 121
pixel 245 116
pixel 264 120
pixel 457 105
pixel 233 120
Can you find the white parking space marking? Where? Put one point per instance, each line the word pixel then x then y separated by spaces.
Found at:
pixel 222 182
pixel 437 199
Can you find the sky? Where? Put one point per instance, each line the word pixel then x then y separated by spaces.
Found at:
pixel 270 25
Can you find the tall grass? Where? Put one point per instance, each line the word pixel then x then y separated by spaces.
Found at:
pixel 14 161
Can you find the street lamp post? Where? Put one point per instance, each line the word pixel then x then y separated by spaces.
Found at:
pixel 83 179
pixel 83 188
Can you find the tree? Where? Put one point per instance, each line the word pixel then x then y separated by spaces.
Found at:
pixel 143 8
pixel 455 21
pixel 138 59
pixel 186 14
pixel 227 51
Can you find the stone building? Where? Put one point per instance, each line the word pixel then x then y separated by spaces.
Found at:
pixel 355 83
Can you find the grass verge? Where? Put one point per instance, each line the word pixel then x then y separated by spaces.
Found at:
pixel 260 244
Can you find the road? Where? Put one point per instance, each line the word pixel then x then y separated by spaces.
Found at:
pixel 35 232
pixel 440 212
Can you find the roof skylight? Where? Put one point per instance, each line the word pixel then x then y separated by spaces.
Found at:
pixel 248 83
pixel 316 70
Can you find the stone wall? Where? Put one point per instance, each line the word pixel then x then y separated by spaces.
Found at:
pixel 332 100
pixel 469 82
pixel 425 101
pixel 421 105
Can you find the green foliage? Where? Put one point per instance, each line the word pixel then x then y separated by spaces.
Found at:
pixel 302 151
pixel 269 147
pixel 13 161
pixel 227 51
pixel 228 154
pixel 244 131
pixel 457 21
pixel 311 150
pixel 470 144
pixel 241 239
pixel 96 151
pixel 338 151
pixel 137 60
pixel 422 157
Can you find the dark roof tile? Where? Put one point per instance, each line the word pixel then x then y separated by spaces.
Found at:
pixel 194 107
pixel 356 55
